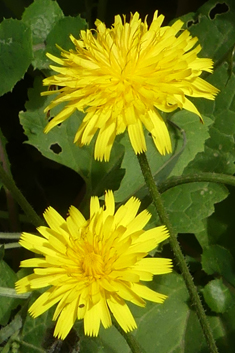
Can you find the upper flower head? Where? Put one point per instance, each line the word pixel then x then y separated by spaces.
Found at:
pixel 121 76
pixel 93 266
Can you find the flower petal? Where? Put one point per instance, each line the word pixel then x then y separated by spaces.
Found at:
pixel 122 313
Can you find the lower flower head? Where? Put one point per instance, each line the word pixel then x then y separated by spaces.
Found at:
pixel 93 266
pixel 122 76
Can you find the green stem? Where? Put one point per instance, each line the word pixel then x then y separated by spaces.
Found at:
pixel 11 205
pixel 157 201
pixel 199 177
pixel 11 246
pixel 9 183
pixel 131 341
pixel 9 235
pixel 11 293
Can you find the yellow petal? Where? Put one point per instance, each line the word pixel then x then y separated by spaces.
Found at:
pixel 62 116
pixel 92 321
pixel 66 320
pixel 94 205
pixel 137 137
pixel 122 313
pixel 42 304
pixel 156 266
pixel 126 213
pixel 138 223
pixel 160 133
pixel 109 202
pixel 77 217
pixel 148 293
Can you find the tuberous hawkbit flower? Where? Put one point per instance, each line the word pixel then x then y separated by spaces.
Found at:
pixel 93 266
pixel 122 76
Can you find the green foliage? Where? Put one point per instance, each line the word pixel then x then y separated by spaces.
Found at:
pixel 7 304
pixel 218 260
pixel 41 17
pixel 202 211
pixel 189 204
pixel 217 296
pixel 16 53
pixel 34 331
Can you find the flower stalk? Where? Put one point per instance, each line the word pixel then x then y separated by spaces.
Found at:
pixel 218 178
pixel 129 338
pixel 9 184
pixel 158 203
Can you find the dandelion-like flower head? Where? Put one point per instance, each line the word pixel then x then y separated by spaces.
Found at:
pixel 121 77
pixel 93 266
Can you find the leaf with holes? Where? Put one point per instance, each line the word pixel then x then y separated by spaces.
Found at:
pixel 215 29
pixel 213 24
pixel 58 145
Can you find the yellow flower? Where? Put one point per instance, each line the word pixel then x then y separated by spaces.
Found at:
pixel 120 77
pixel 93 266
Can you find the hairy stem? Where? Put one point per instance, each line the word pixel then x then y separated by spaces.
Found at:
pixel 198 177
pixel 131 341
pixel 195 299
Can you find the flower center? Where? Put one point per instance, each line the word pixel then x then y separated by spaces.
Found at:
pixel 93 265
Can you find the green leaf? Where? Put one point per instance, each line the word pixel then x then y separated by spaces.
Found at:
pixel 219 227
pixel 218 260
pixel 16 53
pixel 217 296
pixel 60 33
pixel 12 345
pixel 172 326
pixel 58 145
pixel 188 204
pixel 216 37
pixel 7 279
pixel 108 341
pixel 219 154
pixel 10 329
pixel 214 28
pixel 163 166
pixel 41 16
pixel 34 330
